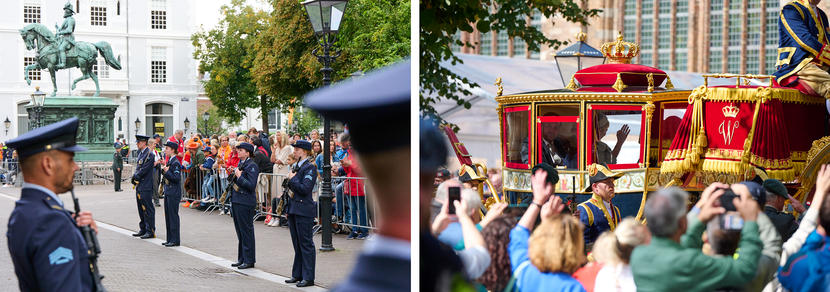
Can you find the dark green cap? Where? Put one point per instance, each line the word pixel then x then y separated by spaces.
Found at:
pixel 776 187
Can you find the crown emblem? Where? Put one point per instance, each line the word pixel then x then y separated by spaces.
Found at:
pixel 620 52
pixel 730 111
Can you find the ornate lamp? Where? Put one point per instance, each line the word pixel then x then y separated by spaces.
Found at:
pixel 326 17
pixel 38 99
pixel 206 116
pixel 8 124
pixel 186 123
pixel 577 57
pixel 137 125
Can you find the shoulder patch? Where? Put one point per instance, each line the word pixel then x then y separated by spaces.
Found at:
pixel 61 255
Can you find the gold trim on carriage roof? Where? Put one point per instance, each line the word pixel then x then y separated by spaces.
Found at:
pixel 619 52
pixel 753 94
pixel 594 97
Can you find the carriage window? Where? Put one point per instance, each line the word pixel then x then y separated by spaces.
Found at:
pixel 557 137
pixel 616 135
pixel 516 127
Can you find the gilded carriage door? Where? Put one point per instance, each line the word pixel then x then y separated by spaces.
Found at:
pixel 616 135
pixel 557 141
pixel 516 137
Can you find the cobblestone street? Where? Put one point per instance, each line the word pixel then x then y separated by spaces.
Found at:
pixel 202 263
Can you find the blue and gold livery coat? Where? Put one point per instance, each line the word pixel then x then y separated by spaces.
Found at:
pixel 803 38
pixel 596 218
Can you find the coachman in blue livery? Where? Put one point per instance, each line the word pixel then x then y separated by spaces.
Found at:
pixel 803 53
pixel 598 214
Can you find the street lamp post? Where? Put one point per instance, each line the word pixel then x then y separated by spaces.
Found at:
pixel 8 124
pixel 186 125
pixel 38 98
pixel 325 18
pixel 205 117
pixel 137 125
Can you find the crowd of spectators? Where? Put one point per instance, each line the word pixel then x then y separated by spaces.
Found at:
pixel 737 237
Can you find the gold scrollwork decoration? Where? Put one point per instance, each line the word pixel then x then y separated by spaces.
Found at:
pixel 501 89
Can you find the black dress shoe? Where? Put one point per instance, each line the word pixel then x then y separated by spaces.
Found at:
pixel 305 283
pixel 147 235
pixel 236 264
pixel 165 243
pixel 119 190
pixel 172 244
pixel 245 266
pixel 293 280
pixel 139 234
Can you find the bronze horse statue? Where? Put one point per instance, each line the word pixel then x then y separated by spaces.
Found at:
pixel 37 36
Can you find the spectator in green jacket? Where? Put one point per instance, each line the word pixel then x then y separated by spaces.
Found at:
pixel 674 262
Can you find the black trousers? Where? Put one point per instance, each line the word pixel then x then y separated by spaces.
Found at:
pixel 117 179
pixel 171 218
pixel 243 221
pixel 147 211
pixel 156 185
pixel 304 253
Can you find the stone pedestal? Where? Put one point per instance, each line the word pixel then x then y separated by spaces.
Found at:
pixel 97 119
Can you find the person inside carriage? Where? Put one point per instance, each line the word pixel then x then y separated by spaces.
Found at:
pixel 557 150
pixel 803 53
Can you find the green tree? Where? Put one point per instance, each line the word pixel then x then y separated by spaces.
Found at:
pixel 214 123
pixel 303 122
pixel 227 53
pixel 374 34
pixel 442 19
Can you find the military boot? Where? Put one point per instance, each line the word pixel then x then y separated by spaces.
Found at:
pixel 61 59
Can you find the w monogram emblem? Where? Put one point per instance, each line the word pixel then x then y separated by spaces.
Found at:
pixel 727 129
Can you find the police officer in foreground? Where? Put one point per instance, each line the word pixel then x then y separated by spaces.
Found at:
pixel 243 205
pixel 376 105
pixel 172 194
pixel 47 249
pixel 117 167
pixel 143 181
pixel 301 212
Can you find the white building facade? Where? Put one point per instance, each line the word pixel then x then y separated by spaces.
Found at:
pixel 157 85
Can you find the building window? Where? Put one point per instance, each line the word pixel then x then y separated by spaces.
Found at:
pixel 502 41
pixel 715 58
pixel 158 14
pixel 680 62
pixel 735 5
pixel 681 33
pixel 733 62
pixel 665 7
pixel 663 61
pixel 716 30
pixel 31 11
pixel 158 65
pixel 645 59
pixel 101 69
pixel 98 12
pixel 664 35
pixel 646 34
pixel 536 22
pixel 519 48
pixel 753 64
pixel 486 43
pixel 682 6
pixel 754 4
pixel 734 29
pixel 631 8
pixel 454 46
pixel 753 34
pixel 30 59
pixel 772 28
pixel 648 8
pixel 716 5
pixel 22 118
pixel 159 119
pixel 118 8
pixel 770 59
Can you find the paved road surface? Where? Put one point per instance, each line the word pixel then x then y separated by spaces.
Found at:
pixel 209 246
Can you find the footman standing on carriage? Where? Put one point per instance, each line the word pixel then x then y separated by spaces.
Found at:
pixel 803 53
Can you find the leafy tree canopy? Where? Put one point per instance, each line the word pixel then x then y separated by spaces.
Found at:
pixel 441 19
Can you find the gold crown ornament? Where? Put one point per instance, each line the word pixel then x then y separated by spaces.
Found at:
pixel 730 111
pixel 620 52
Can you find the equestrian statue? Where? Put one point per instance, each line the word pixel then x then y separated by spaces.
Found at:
pixel 60 51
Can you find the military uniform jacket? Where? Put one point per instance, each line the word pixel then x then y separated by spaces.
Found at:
pixel 144 171
pixel 784 223
pixel 802 38
pixel 244 193
pixel 173 178
pixel 47 249
pixel 302 204
pixel 596 218
pixel 117 161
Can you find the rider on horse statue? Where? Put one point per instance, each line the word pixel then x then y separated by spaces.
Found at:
pixel 65 34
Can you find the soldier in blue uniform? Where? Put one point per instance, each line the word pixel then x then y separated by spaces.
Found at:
pixel 598 214
pixel 144 189
pixel 802 46
pixel 47 249
pixel 377 105
pixel 172 193
pixel 243 205
pixel 301 212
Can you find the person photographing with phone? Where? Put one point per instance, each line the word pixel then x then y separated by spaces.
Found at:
pixel 676 238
